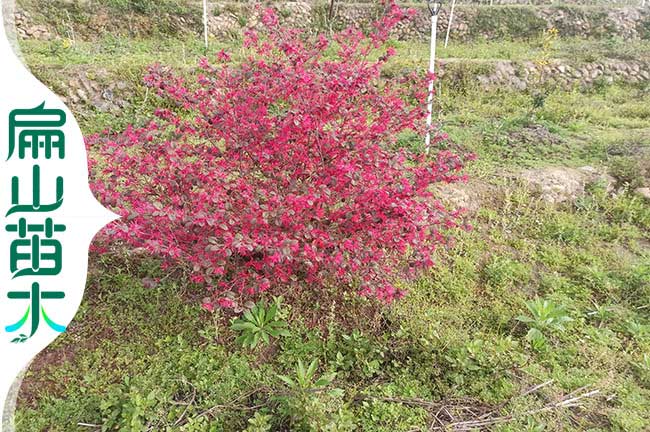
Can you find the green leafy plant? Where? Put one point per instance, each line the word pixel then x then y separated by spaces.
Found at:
pixel 462 361
pixel 601 313
pixel 310 405
pixel 637 330
pixel 128 406
pixel 305 378
pixel 503 272
pixel 259 423
pixel 545 316
pixel 260 323
pixel 357 355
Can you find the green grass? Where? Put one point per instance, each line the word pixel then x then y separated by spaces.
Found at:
pixel 505 127
pixel 571 128
pixel 112 51
pixel 454 336
pixel 142 356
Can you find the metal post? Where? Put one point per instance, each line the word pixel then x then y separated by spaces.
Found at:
pixel 205 23
pixel 451 17
pixel 434 8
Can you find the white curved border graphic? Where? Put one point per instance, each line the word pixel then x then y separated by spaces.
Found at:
pixel 79 212
pixel 9 26
pixel 9 23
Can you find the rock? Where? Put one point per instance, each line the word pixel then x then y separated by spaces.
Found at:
pixel 82 94
pixel 562 184
pixel 107 94
pixel 643 192
pixel 518 84
pixel 468 196
pixel 102 105
pixel 555 185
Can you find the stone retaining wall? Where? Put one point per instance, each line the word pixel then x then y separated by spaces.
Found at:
pixel 470 22
pixel 410 3
pixel 554 74
pixel 227 19
pixel 96 87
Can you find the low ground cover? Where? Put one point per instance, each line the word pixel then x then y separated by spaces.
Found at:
pixel 539 305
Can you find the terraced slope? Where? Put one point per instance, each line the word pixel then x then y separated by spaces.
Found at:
pixel 561 127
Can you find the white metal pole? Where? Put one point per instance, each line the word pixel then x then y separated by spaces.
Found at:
pixel 205 23
pixel 432 69
pixel 451 17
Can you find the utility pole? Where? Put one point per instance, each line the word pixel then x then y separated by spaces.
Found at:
pixel 205 23
pixel 451 17
pixel 434 8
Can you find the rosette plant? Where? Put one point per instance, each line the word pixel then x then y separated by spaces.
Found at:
pixel 280 170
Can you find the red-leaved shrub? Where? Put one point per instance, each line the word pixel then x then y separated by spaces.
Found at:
pixel 280 170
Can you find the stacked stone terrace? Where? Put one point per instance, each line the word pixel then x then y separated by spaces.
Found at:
pixel 474 21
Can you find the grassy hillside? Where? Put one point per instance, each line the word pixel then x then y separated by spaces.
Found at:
pixel 473 346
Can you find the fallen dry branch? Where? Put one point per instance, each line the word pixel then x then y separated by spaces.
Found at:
pixel 460 414
pixel 493 418
pixel 470 415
